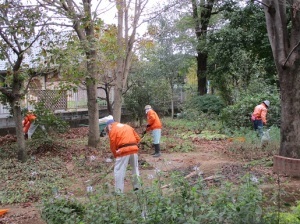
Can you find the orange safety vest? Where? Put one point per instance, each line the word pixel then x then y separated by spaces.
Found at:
pixel 123 139
pixel 29 118
pixel 260 113
pixel 153 120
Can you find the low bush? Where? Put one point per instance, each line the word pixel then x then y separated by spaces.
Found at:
pixel 292 217
pixel 207 104
pixel 63 210
pixel 238 115
pixel 183 202
pixel 47 119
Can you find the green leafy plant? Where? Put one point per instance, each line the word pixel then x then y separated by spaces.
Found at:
pixel 238 115
pixel 46 118
pixel 206 104
pixel 62 210
pixel 182 203
pixel 284 217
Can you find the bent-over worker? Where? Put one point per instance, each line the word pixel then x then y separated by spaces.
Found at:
pixel 124 146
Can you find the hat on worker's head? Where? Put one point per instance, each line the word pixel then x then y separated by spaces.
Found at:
pixel 110 120
pixel 267 103
pixel 147 107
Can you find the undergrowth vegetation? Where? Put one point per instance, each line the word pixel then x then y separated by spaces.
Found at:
pixel 170 198
pixel 180 203
pixel 31 180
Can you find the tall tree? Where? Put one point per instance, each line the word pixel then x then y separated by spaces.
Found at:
pixel 199 17
pixel 202 14
pixel 83 20
pixel 21 29
pixel 127 28
pixel 240 53
pixel 169 64
pixel 283 22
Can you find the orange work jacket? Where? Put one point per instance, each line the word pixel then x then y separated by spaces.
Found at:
pixel 29 118
pixel 153 121
pixel 260 113
pixel 123 139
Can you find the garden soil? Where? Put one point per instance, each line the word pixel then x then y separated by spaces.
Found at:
pixel 210 160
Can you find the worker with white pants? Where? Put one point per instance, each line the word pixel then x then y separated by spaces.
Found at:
pixel 124 146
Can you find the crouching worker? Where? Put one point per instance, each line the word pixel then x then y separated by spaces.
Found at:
pixel 28 123
pixel 124 146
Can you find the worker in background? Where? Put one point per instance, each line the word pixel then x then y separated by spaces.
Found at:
pixel 259 116
pixel 154 125
pixel 124 146
pixel 29 124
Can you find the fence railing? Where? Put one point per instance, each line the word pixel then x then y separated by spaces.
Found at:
pixel 55 100
pixel 70 100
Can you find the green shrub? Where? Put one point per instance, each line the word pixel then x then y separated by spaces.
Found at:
pixel 206 104
pixel 60 210
pixel 238 115
pixel 49 120
pixel 183 202
pixel 292 217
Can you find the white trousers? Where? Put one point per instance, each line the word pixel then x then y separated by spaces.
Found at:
pixel 120 171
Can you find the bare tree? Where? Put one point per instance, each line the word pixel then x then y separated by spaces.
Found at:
pixel 127 27
pixel 283 22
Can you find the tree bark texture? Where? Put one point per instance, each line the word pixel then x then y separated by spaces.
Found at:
pixel 201 73
pixel 22 154
pixel 91 80
pixel 118 90
pixel 15 103
pixel 201 24
pixel 284 38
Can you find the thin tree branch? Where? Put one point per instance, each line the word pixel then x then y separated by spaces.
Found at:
pixel 6 40
pixel 297 45
pixel 260 2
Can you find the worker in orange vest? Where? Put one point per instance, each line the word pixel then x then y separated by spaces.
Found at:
pixel 259 116
pixel 28 124
pixel 124 146
pixel 154 125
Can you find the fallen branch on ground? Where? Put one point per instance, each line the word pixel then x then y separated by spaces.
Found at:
pixel 191 175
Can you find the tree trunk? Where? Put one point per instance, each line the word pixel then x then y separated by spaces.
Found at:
pixel 94 132
pixel 201 25
pixel 22 154
pixel 117 101
pixel 290 113
pixel 118 90
pixel 93 110
pixel 201 73
pixel 172 99
pixel 91 78
pixel 284 39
